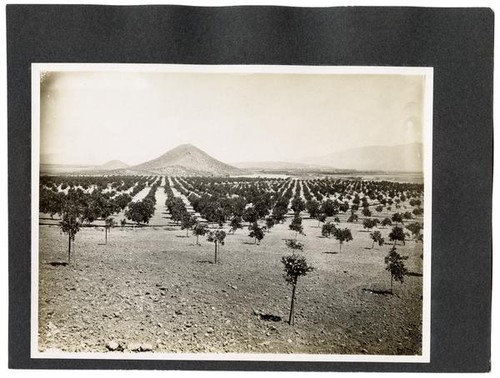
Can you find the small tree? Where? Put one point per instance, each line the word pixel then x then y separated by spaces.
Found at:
pixel 235 223
pixel 187 222
pixel 270 222
pixel 397 218
pixel 377 238
pixel 328 229
pixel 250 215
pixel 407 215
pixel 352 218
pixel 386 222
pixel 296 225
pixel 123 222
pixel 70 225
pixel 342 235
pixel 366 212
pixel 415 229
pixel 321 217
pixel 395 266
pixel 418 211
pixel 312 207
pixel 294 266
pixel 256 232
pixel 199 230
pixel 217 237
pixel 108 224
pixel 279 213
pixel 329 208
pixel 369 223
pixel 298 205
pixel 397 234
pixel 139 212
pixel 415 202
pixel 294 245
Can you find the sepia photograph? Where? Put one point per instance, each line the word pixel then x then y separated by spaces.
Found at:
pixel 231 212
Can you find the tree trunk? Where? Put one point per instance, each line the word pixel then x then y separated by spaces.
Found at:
pixel 197 243
pixel 215 252
pixel 187 234
pixel 105 235
pixel 340 247
pixel 391 285
pixel 373 244
pixel 69 249
pixel 291 318
pixel 254 240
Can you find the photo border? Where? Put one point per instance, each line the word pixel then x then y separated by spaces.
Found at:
pixel 425 72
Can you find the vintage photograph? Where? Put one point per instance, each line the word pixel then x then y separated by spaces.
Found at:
pixel 231 212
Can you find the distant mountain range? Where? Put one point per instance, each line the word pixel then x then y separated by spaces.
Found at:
pixel 49 165
pixel 188 160
pixel 113 164
pixel 400 158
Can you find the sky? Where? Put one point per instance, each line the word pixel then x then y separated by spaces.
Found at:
pixel 94 117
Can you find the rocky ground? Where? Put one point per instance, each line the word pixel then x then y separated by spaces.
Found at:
pixel 154 290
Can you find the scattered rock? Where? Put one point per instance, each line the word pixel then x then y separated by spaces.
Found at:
pixel 210 330
pixel 146 347
pixel 112 345
pixel 134 346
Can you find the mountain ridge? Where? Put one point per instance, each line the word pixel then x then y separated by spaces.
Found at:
pixel 186 160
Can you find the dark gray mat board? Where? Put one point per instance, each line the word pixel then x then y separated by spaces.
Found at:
pixel 458 43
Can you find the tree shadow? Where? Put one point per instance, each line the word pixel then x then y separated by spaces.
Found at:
pixel 181 236
pixel 369 248
pixel 58 263
pixel 267 317
pixel 378 291
pixel 249 243
pixel 204 261
pixel 331 253
pixel 414 274
pixel 101 244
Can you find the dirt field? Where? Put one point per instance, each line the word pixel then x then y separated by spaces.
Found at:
pixel 153 289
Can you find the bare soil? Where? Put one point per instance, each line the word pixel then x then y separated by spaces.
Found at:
pixel 153 289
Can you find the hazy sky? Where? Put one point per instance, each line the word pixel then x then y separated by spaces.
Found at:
pixel 94 117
